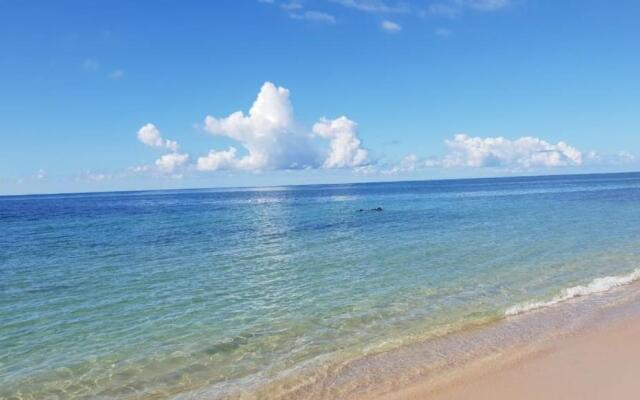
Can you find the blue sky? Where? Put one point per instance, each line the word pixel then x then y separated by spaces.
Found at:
pixel 351 90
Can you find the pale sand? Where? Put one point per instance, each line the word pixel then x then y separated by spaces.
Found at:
pixel 600 364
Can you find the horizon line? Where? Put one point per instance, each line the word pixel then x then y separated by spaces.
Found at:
pixel 240 188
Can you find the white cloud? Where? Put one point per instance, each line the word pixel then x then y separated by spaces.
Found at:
pixel 150 135
pixel 138 169
pixel 451 8
pixel 315 16
pixel 168 163
pixel 345 150
pixel 374 5
pixel 295 10
pixel 442 32
pixel 619 158
pixel 271 139
pixel 218 160
pixel 291 6
pixel 97 176
pixel 523 153
pixel 409 163
pixel 268 133
pixel 484 5
pixel 625 157
pixel 390 26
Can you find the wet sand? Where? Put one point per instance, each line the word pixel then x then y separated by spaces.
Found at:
pixel 600 362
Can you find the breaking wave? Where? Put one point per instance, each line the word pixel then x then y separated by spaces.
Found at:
pixel 596 286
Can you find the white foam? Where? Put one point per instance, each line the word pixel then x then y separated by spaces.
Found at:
pixel 596 286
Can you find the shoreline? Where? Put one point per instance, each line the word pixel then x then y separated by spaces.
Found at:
pixel 595 359
pixel 527 354
pixel 442 367
pixel 597 362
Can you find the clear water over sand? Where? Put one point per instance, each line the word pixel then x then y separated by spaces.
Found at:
pixel 220 292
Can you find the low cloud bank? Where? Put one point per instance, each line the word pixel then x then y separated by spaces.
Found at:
pixel 509 155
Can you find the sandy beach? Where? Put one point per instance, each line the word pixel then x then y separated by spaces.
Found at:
pixel 601 363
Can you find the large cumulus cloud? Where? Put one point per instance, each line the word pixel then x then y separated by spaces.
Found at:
pixel 271 139
pixel 345 148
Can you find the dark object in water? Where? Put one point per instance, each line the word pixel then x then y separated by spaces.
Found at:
pixel 373 209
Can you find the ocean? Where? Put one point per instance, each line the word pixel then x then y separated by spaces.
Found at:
pixel 274 292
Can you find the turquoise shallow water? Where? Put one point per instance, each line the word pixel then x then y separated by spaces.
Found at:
pixel 153 294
